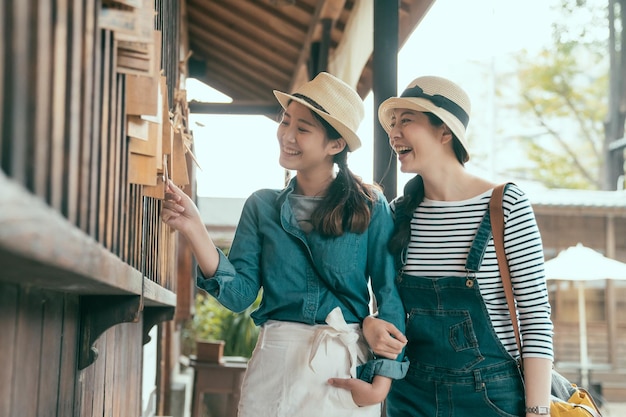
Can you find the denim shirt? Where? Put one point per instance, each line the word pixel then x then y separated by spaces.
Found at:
pixel 270 251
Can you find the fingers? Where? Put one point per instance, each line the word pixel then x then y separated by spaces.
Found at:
pixel 391 343
pixel 173 188
pixel 174 199
pixel 362 392
pixel 345 383
pixel 390 348
pixel 387 353
pixel 168 215
pixel 383 338
pixel 179 211
pixel 173 193
pixel 393 331
pixel 397 334
pixel 171 211
pixel 172 207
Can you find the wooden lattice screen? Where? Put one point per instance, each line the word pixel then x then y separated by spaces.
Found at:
pixel 65 127
pixel 86 266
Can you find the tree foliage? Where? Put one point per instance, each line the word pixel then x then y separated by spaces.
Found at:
pixel 212 322
pixel 564 95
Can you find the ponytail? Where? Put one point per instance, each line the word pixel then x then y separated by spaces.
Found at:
pixel 404 207
pixel 346 207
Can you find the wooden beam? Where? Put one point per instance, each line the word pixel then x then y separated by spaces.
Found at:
pixel 59 102
pixel 251 108
pixel 610 300
pixel 43 102
pixel 332 9
pixel 73 113
pixel 87 103
pixel 306 45
pixel 562 210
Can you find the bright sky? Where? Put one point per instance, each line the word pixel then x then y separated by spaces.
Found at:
pixel 459 40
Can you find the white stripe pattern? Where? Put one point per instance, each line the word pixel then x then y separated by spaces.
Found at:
pixel 441 236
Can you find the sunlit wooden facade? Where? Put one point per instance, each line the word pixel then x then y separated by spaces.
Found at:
pixel 87 268
pixel 597 219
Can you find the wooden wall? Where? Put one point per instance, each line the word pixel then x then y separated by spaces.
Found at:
pixel 602 229
pixel 39 376
pixel 560 231
pixel 86 265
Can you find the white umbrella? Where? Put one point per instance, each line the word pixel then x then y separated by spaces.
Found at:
pixel 579 263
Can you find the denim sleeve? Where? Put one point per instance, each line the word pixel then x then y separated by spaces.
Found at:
pixel 237 281
pixel 224 273
pixel 381 266
pixel 384 367
pixel 381 269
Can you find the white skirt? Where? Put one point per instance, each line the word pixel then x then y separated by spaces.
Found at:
pixel 291 364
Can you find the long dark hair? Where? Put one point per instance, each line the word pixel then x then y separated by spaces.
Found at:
pixel 459 151
pixel 412 197
pixel 346 207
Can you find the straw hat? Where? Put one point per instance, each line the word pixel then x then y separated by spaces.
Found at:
pixel 334 101
pixel 434 95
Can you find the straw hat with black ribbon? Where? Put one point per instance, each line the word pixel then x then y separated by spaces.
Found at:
pixel 334 101
pixel 437 95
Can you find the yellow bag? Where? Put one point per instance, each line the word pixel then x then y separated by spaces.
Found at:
pixel 580 404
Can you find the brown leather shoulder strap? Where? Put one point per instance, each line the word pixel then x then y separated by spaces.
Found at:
pixel 496 214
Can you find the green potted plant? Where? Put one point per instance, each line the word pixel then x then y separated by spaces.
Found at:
pixel 215 331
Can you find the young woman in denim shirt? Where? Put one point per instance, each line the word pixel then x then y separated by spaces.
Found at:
pixel 312 248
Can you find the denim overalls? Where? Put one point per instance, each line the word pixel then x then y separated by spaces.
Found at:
pixel 459 367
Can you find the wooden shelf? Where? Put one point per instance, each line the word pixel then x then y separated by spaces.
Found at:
pixel 156 296
pixel 40 248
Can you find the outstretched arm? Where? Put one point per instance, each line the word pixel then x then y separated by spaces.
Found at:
pixel 180 213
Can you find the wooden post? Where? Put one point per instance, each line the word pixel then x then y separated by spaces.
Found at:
pixel 385 85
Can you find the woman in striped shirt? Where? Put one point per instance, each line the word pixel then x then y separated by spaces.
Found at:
pixel 461 346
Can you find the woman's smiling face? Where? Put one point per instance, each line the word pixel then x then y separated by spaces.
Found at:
pixel 414 139
pixel 302 140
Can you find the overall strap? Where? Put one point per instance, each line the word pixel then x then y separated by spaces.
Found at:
pixel 485 231
pixel 479 245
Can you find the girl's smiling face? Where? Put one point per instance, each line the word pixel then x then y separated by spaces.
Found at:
pixel 414 139
pixel 303 142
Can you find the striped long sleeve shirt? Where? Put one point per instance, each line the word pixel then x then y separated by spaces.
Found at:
pixel 441 235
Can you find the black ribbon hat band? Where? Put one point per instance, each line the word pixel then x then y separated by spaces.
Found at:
pixel 439 101
pixel 310 101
